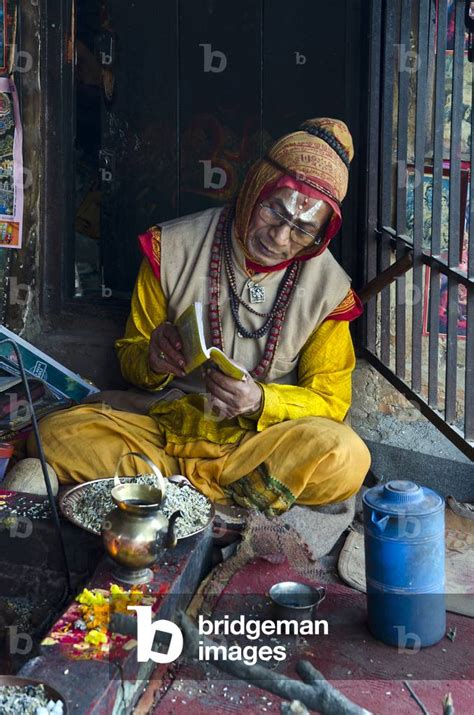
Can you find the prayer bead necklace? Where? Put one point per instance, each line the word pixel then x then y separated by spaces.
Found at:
pixel 221 249
pixel 287 279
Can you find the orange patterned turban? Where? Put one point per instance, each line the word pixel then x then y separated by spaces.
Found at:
pixel 314 161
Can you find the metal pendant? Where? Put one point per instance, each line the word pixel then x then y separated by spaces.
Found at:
pixel 256 292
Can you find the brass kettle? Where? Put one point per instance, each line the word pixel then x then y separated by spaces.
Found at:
pixel 135 532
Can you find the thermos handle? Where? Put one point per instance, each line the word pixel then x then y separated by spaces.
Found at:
pixel 380 523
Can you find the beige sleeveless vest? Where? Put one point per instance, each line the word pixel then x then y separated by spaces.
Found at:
pixel 185 253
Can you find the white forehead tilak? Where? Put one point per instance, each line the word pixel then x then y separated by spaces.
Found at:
pixel 295 203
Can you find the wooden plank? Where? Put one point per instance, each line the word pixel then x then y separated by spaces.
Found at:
pixel 303 50
pixel 219 95
pixel 304 69
pixel 139 134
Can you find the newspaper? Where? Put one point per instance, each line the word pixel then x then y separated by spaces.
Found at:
pixel 62 381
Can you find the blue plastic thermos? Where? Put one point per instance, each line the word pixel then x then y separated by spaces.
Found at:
pixel 405 564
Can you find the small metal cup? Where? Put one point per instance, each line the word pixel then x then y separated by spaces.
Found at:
pixel 292 600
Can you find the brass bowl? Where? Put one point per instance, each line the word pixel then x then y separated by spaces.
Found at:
pixel 19 682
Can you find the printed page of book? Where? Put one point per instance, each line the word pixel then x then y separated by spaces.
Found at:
pixel 226 365
pixel 191 331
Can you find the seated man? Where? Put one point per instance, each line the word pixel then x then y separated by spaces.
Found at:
pixel 277 302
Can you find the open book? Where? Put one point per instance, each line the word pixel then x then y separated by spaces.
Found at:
pixel 191 330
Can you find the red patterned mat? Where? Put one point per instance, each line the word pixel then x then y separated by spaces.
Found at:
pixel 365 670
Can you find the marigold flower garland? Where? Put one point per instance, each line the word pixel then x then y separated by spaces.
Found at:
pixel 97 606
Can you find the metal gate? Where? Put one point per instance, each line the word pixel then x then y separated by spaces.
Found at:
pixel 419 331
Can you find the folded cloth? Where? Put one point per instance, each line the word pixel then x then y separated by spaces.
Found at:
pixel 132 400
pixel 464 509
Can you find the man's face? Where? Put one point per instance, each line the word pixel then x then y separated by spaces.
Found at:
pixel 271 244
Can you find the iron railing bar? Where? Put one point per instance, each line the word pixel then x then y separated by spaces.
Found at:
pixel 442 257
pixel 401 208
pixel 451 432
pixel 428 260
pixel 454 213
pixel 438 130
pixel 392 232
pixel 433 326
pixel 441 15
pixel 402 236
pixel 386 161
pixel 469 356
pixel 470 241
pixel 469 376
pixel 402 117
pixel 418 192
pixel 373 165
pixel 456 273
pixel 455 146
pixel 451 351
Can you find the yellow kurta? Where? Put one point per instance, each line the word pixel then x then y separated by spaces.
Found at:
pixel 324 374
pixel 295 449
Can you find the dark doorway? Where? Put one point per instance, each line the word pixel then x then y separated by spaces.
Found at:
pixel 154 110
pixel 173 103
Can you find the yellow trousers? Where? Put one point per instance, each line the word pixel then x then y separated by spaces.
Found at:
pixel 312 460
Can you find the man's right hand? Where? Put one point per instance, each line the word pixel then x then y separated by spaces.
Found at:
pixel 164 352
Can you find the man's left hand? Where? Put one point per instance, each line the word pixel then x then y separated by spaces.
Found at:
pixel 229 397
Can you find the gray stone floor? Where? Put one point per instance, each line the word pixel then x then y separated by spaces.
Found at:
pixel 418 435
pixel 382 416
pixel 418 451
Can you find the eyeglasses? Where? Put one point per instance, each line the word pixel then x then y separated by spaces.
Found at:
pixel 297 234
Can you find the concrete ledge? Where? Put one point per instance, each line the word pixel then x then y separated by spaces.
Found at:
pixel 446 476
pixel 102 687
